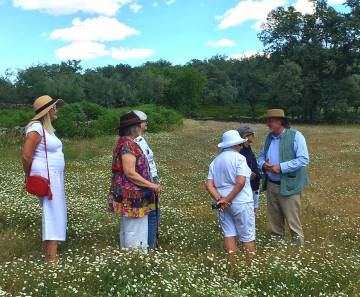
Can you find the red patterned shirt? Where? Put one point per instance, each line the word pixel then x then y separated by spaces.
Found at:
pixel 127 198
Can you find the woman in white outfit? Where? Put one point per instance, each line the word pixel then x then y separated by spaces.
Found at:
pixel 229 185
pixel 154 215
pixel 35 163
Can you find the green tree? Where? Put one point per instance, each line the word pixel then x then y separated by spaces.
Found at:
pixel 250 81
pixel 219 88
pixel 149 87
pixel 185 90
pixel 7 91
pixel 286 85
pixel 107 91
pixel 351 87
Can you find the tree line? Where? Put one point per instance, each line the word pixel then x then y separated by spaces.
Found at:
pixel 310 67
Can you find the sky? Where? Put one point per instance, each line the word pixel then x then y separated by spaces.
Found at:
pixel 102 32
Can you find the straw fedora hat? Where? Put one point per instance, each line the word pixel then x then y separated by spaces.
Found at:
pixel 43 104
pixel 275 113
pixel 231 138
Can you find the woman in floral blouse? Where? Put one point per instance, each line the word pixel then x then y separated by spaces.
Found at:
pixel 132 191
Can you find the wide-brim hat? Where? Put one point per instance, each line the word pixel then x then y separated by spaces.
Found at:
pixel 43 104
pixel 231 138
pixel 275 113
pixel 129 119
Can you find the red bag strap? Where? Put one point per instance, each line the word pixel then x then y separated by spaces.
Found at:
pixel 46 155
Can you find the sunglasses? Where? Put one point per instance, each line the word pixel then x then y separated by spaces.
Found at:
pixel 54 108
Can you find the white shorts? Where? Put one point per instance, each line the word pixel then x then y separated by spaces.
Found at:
pixel 134 233
pixel 238 220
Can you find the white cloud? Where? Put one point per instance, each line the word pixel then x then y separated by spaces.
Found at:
pixel 245 54
pixel 304 6
pixel 126 54
pixel 155 4
pixel 88 40
pixel 89 50
pixel 135 7
pixel 336 2
pixel 59 7
pixel 221 43
pixel 168 2
pixel 82 50
pixel 248 10
pixel 94 29
pixel 257 11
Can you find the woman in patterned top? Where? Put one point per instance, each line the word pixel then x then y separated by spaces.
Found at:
pixel 132 191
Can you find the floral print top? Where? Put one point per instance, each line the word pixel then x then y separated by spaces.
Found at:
pixel 125 197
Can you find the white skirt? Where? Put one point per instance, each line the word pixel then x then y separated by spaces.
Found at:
pixel 134 233
pixel 54 217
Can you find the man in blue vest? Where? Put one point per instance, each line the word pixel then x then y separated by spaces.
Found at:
pixel 283 159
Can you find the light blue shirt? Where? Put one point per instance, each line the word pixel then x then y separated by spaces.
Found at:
pixel 273 154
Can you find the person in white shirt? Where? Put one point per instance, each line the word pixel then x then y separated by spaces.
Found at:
pixel 43 156
pixel 154 215
pixel 229 185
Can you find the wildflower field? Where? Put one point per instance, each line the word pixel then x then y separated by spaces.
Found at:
pixel 191 261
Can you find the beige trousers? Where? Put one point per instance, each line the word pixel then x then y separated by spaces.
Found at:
pixel 281 209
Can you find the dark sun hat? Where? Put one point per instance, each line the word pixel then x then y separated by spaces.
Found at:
pixel 129 119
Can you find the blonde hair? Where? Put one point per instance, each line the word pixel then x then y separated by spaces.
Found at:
pixel 45 121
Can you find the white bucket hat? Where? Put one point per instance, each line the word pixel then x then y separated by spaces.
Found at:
pixel 231 138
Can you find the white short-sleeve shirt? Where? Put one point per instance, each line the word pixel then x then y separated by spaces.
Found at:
pixel 223 171
pixel 54 149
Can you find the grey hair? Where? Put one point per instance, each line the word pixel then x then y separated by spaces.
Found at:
pixel 128 131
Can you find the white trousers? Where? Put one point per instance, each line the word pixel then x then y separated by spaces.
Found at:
pixel 134 233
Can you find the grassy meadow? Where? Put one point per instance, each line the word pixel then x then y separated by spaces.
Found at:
pixel 191 261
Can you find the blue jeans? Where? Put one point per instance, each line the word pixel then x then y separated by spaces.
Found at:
pixel 153 224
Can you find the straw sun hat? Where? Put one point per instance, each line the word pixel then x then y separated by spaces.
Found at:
pixel 275 113
pixel 43 104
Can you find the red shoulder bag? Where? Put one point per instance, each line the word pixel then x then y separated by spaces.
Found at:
pixel 38 185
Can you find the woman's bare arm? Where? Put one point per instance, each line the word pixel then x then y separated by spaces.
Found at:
pixel 239 185
pixel 210 186
pixel 129 161
pixel 31 142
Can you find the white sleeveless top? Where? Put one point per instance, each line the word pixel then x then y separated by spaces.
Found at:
pixel 54 148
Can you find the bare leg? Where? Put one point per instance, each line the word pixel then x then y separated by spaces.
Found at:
pixel 230 244
pixel 50 250
pixel 230 247
pixel 249 250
